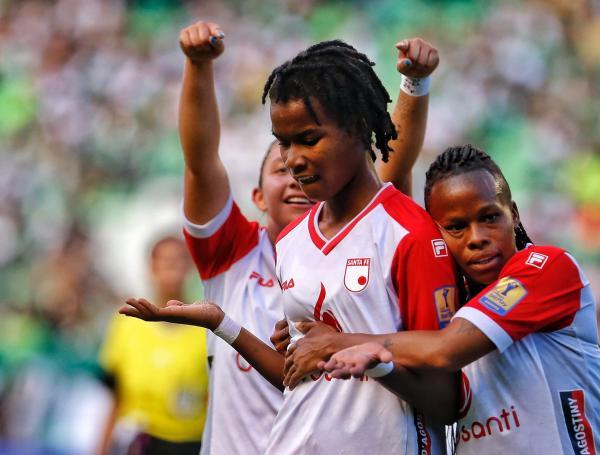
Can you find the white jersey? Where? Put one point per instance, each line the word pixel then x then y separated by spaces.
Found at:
pixel 387 270
pixel 540 395
pixel 236 262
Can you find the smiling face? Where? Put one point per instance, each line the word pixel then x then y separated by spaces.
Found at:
pixel 279 195
pixel 477 222
pixel 323 158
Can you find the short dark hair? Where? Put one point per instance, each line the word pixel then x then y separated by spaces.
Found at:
pixel 466 158
pixel 342 80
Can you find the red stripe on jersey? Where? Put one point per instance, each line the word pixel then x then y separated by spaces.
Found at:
pixel 286 230
pixel 385 193
pixel 545 299
pixel 216 254
pixel 312 227
pixel 327 245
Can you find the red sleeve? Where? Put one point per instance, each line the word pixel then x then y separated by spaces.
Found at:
pixel 539 291
pixel 216 253
pixel 425 281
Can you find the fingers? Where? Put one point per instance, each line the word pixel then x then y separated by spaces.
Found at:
pixel 281 324
pixel 416 57
pixel 305 326
pixel 202 41
pixel 139 308
pixel 385 355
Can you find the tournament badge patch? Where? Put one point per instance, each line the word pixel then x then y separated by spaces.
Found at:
pixel 356 276
pixel 444 304
pixel 503 297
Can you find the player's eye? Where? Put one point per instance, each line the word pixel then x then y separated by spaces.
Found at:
pixel 284 144
pixel 454 228
pixel 311 141
pixel 491 217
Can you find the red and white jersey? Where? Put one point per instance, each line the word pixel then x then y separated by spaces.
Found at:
pixel 236 262
pixel 387 270
pixel 540 395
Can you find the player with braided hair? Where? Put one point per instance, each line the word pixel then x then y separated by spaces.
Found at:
pixel 527 339
pixel 344 262
pixel 342 79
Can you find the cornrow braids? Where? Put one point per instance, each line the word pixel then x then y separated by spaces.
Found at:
pixel 466 158
pixel 342 80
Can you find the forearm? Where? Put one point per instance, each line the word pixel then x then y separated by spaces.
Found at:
pixel 435 394
pixel 266 360
pixel 423 350
pixel 410 118
pixel 199 126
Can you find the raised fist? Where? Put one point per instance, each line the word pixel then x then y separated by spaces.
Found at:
pixel 416 58
pixel 202 41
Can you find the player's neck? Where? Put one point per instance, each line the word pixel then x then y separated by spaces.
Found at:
pixel 348 202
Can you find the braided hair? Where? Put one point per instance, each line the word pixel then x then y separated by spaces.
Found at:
pixel 342 80
pixel 465 158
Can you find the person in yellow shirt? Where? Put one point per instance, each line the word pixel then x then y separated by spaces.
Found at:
pixel 158 372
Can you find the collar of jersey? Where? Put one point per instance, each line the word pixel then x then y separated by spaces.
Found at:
pixel 326 245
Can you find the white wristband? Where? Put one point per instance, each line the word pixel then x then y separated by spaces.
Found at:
pixel 228 330
pixel 417 86
pixel 379 370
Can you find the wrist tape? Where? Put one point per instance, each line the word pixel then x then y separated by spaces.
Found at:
pixel 228 330
pixel 379 370
pixel 417 86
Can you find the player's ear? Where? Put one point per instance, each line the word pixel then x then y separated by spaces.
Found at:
pixel 514 210
pixel 258 197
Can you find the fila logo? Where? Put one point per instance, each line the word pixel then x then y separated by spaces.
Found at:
pixel 261 281
pixel 537 260
pixel 288 284
pixel 440 249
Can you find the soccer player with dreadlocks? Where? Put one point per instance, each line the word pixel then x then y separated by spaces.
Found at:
pixel 526 340
pixel 353 261
pixel 235 257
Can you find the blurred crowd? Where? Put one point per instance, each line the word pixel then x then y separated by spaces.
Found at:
pixel 88 138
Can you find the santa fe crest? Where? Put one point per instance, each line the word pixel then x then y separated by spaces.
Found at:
pixel 356 276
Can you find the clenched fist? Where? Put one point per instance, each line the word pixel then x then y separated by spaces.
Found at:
pixel 202 41
pixel 416 58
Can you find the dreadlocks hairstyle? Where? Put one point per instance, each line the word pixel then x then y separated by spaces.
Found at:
pixel 342 80
pixel 466 158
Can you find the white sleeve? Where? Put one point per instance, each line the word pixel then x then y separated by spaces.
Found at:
pixel 209 228
pixel 487 325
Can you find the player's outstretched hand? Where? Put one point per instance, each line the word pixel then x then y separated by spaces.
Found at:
pixel 202 313
pixel 202 41
pixel 354 361
pixel 303 356
pixel 416 58
pixel 281 336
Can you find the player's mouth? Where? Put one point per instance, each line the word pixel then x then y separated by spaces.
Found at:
pixel 484 262
pixel 298 200
pixel 306 179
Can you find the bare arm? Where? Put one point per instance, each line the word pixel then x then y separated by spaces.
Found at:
pixel 206 187
pixel 426 363
pixel 266 360
pixel 416 59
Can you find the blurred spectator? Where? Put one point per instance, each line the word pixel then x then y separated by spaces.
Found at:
pixel 158 372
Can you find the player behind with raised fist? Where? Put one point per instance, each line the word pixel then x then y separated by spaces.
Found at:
pixel 235 257
pixel 526 340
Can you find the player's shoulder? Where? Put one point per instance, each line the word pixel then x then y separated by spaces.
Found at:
pixel 536 258
pixel 410 215
pixel 549 267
